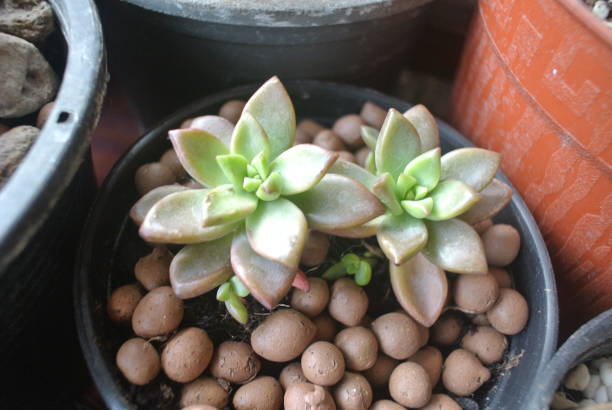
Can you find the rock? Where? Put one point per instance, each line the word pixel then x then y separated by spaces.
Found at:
pixel 27 81
pixel 31 20
pixel 578 378
pixel 14 144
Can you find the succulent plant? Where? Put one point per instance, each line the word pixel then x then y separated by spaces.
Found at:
pixel 262 194
pixel 351 264
pixel 430 200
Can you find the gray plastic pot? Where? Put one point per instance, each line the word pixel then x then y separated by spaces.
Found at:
pixel 111 246
pixel 193 47
pixel 591 341
pixel 43 207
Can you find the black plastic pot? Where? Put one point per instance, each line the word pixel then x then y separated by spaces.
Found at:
pixel 43 207
pixel 191 48
pixel 591 341
pixel 110 248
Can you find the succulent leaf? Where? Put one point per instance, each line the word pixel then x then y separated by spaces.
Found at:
pixel 178 217
pixel 404 183
pixel 270 189
pixel 426 126
pixel 425 168
pixel 236 309
pixel 277 230
pixel 400 237
pixel 215 125
pixel 451 198
pixel 301 281
pixel 338 202
pixel 370 163
pixel 354 171
pixel 251 184
pixel 369 135
pixel 360 231
pixel 268 281
pixel 420 287
pixel 238 287
pixel 234 167
pixel 273 109
pixel 225 204
pixel 494 198
pixel 260 164
pixel 455 246
pixel 418 208
pixel 384 189
pixel 301 167
pixel 475 167
pixel 144 204
pixel 363 274
pixel 224 292
pixel 197 269
pixel 397 144
pixel 197 150
pixel 249 138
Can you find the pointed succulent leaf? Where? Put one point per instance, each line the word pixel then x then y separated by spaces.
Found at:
pixel 400 237
pixel 420 192
pixel 370 163
pixel 363 274
pixel 224 292
pixel 455 246
pixel 473 166
pixel 236 309
pixel 384 189
pixel 451 198
pixel 251 184
pixel 260 163
pixel 404 183
pixel 397 144
pixel 252 171
pixel 369 135
pixel 273 109
pixel 338 202
pixel 144 204
pixel 225 204
pixel 336 271
pixel 494 198
pixel 360 231
pixel 215 125
pixel 301 167
pixel 426 126
pixel 425 168
pixel 277 230
pixel 238 287
pixel 354 171
pixel 420 287
pixel 270 189
pixel 418 209
pixel 249 138
pixel 234 167
pixel 197 269
pixel 268 281
pixel 197 150
pixel 178 217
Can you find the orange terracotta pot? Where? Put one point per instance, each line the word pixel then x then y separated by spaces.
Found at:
pixel 535 84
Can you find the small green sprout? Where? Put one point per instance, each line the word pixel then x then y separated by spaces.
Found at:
pixel 351 264
pixel 231 293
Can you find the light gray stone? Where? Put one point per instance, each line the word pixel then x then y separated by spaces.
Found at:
pixel 27 81
pixel 14 145
pixel 31 20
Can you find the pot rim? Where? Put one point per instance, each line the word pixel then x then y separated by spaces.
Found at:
pixel 83 300
pixel 584 16
pixel 53 160
pixel 592 334
pixel 235 13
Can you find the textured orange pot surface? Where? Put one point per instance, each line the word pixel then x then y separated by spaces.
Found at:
pixel 535 84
